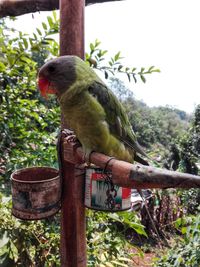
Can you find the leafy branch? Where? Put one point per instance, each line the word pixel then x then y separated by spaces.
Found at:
pixel 96 56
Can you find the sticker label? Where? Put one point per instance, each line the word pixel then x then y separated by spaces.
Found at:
pixel 101 194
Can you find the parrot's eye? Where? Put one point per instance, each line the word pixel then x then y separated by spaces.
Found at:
pixel 51 68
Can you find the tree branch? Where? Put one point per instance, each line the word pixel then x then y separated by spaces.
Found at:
pixel 20 7
pixel 133 175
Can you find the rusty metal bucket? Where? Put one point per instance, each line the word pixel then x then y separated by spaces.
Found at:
pixel 36 193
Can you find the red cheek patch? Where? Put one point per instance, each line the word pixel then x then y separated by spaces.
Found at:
pixel 45 87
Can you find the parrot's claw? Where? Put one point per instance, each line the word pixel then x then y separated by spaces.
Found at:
pixel 86 157
pixel 71 139
pixel 67 132
pixel 69 136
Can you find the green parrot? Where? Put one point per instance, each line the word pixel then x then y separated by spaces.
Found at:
pixel 90 108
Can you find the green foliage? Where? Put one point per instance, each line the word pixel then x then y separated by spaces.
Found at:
pixel 27 243
pixel 119 89
pixel 191 200
pixel 156 127
pixel 176 138
pixel 114 66
pixel 186 253
pixel 28 124
pixel 107 241
pixel 36 243
pixel 42 43
pixel 190 146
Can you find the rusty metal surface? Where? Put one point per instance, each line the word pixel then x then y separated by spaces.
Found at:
pixel 35 193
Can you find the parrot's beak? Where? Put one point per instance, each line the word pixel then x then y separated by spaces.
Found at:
pixel 45 87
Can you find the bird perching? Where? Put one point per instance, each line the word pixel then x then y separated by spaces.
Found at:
pixel 90 108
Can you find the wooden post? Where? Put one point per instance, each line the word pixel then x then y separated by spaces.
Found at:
pixel 72 27
pixel 73 234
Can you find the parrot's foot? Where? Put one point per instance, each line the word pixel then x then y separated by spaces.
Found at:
pixel 69 135
pixel 71 139
pixel 67 132
pixel 86 157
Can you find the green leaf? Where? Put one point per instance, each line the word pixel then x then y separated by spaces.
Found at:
pixel 133 69
pixel 25 43
pixel 26 59
pixel 110 63
pixel 142 70
pixel 50 21
pixel 135 80
pixel 103 52
pixel 21 47
pixel 35 36
pixel 129 77
pixel 117 56
pixel 97 43
pixel 124 259
pixel 87 56
pixel 178 222
pixel 140 231
pixel 39 32
pixel 151 68
pixel 183 230
pixel 143 78
pixel 119 263
pixel 49 39
pixel 156 70
pixel 91 47
pixel 115 217
pixel 120 67
pixel 44 26
pixel 44 42
pixel 2 67
pixel 54 15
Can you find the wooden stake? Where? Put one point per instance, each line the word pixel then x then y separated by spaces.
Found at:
pixel 73 234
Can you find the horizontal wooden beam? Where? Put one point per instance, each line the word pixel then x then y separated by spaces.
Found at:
pixel 133 175
pixel 21 7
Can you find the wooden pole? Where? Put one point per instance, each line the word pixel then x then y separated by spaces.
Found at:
pixel 72 27
pixel 73 234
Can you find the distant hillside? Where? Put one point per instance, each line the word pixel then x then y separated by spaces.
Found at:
pixel 155 127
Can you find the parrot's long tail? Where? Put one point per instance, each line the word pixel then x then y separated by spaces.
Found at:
pixel 140 160
pixel 136 147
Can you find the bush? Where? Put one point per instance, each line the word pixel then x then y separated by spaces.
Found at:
pixel 186 253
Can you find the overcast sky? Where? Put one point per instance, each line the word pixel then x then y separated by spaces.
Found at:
pixel 160 33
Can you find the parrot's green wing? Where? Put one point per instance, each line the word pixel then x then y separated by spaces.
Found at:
pixel 116 117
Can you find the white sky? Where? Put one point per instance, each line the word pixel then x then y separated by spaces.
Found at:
pixel 160 33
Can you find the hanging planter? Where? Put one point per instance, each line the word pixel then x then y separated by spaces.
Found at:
pixel 102 194
pixel 36 193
